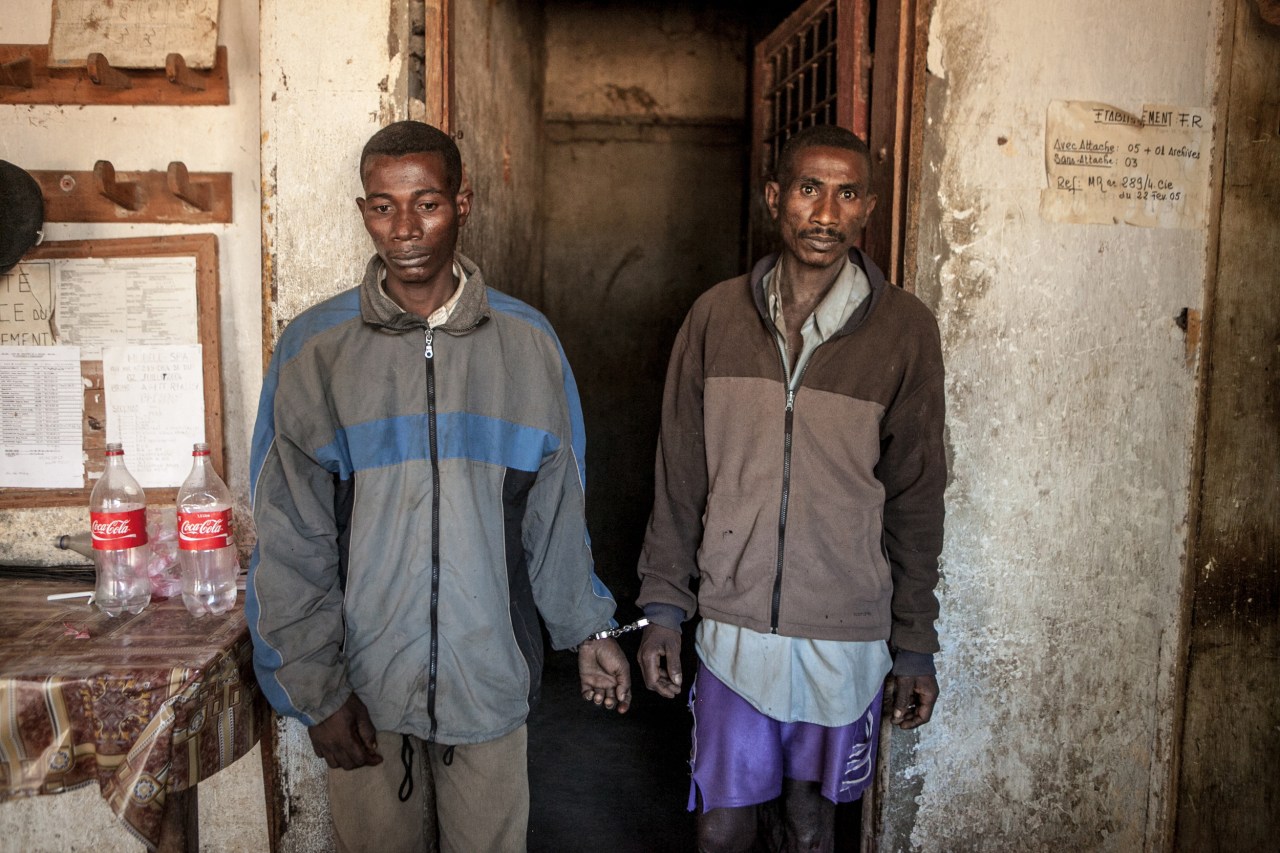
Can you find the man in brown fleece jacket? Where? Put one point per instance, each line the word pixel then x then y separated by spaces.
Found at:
pixel 800 477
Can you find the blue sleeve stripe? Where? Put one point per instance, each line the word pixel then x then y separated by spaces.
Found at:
pixel 460 435
pixel 266 659
pixel 513 307
pixel 264 428
pixel 332 312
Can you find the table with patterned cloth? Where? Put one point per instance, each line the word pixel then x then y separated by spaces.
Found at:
pixel 146 706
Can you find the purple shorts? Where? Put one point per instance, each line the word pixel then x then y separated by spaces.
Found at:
pixel 740 756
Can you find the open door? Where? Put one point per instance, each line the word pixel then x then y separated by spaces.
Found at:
pixel 851 63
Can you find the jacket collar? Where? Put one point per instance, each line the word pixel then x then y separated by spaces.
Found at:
pixel 378 309
pixel 874 277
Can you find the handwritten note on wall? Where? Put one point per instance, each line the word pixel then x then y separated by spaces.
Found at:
pixel 155 407
pixel 1105 165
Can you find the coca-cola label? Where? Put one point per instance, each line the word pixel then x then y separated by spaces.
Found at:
pixel 204 531
pixel 116 531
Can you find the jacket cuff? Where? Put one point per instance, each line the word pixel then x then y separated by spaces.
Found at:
pixel 332 703
pixel 909 664
pixel 666 615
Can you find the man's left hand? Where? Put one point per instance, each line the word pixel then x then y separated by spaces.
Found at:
pixel 605 674
pixel 913 699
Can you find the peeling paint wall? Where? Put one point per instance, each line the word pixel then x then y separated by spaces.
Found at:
pixel 214 139
pixel 645 175
pixel 330 79
pixel 1071 411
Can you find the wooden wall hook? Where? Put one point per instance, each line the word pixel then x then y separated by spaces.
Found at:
pixel 101 73
pixel 18 74
pixel 123 194
pixel 195 193
pixel 74 84
pixel 175 68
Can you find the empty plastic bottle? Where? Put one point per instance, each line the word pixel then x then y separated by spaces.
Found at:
pixel 118 525
pixel 206 550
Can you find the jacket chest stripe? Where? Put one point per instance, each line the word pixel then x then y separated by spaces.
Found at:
pixel 460 435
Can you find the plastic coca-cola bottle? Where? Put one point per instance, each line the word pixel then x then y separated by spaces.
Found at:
pixel 118 524
pixel 206 550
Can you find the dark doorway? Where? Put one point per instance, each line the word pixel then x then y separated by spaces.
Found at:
pixel 649 116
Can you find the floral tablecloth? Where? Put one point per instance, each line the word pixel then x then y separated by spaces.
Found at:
pixel 142 705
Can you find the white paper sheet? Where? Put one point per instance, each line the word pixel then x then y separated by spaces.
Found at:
pixel 155 408
pixel 126 301
pixel 41 415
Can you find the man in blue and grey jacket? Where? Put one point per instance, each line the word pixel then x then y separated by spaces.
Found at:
pixel 418 493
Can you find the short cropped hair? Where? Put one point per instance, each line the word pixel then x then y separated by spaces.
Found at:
pixel 818 136
pixel 415 137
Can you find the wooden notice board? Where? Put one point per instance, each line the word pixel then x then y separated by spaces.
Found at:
pixel 148 361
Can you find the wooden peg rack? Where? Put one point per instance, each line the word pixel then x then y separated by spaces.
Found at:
pixel 105 195
pixel 25 78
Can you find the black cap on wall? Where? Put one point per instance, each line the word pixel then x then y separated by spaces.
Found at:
pixel 21 214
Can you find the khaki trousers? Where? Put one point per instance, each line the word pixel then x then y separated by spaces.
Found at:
pixel 479 801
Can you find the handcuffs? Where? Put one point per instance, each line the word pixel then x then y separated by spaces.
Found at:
pixel 611 633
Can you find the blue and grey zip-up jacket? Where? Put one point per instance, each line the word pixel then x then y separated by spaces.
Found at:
pixel 418 495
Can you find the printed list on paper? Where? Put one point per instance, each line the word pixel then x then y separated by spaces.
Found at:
pixel 41 408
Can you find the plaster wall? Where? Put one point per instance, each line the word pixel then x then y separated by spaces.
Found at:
pixel 330 79
pixel 1071 411
pixel 217 139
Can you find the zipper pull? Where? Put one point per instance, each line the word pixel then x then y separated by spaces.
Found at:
pixel 429 352
pixel 791 399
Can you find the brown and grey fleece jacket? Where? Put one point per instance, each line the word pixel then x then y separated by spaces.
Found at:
pixel 817 516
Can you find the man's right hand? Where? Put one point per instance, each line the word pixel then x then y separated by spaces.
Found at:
pixel 658 645
pixel 346 738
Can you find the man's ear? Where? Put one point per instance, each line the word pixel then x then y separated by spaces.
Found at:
pixel 771 191
pixel 868 206
pixel 463 205
pixel 360 204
